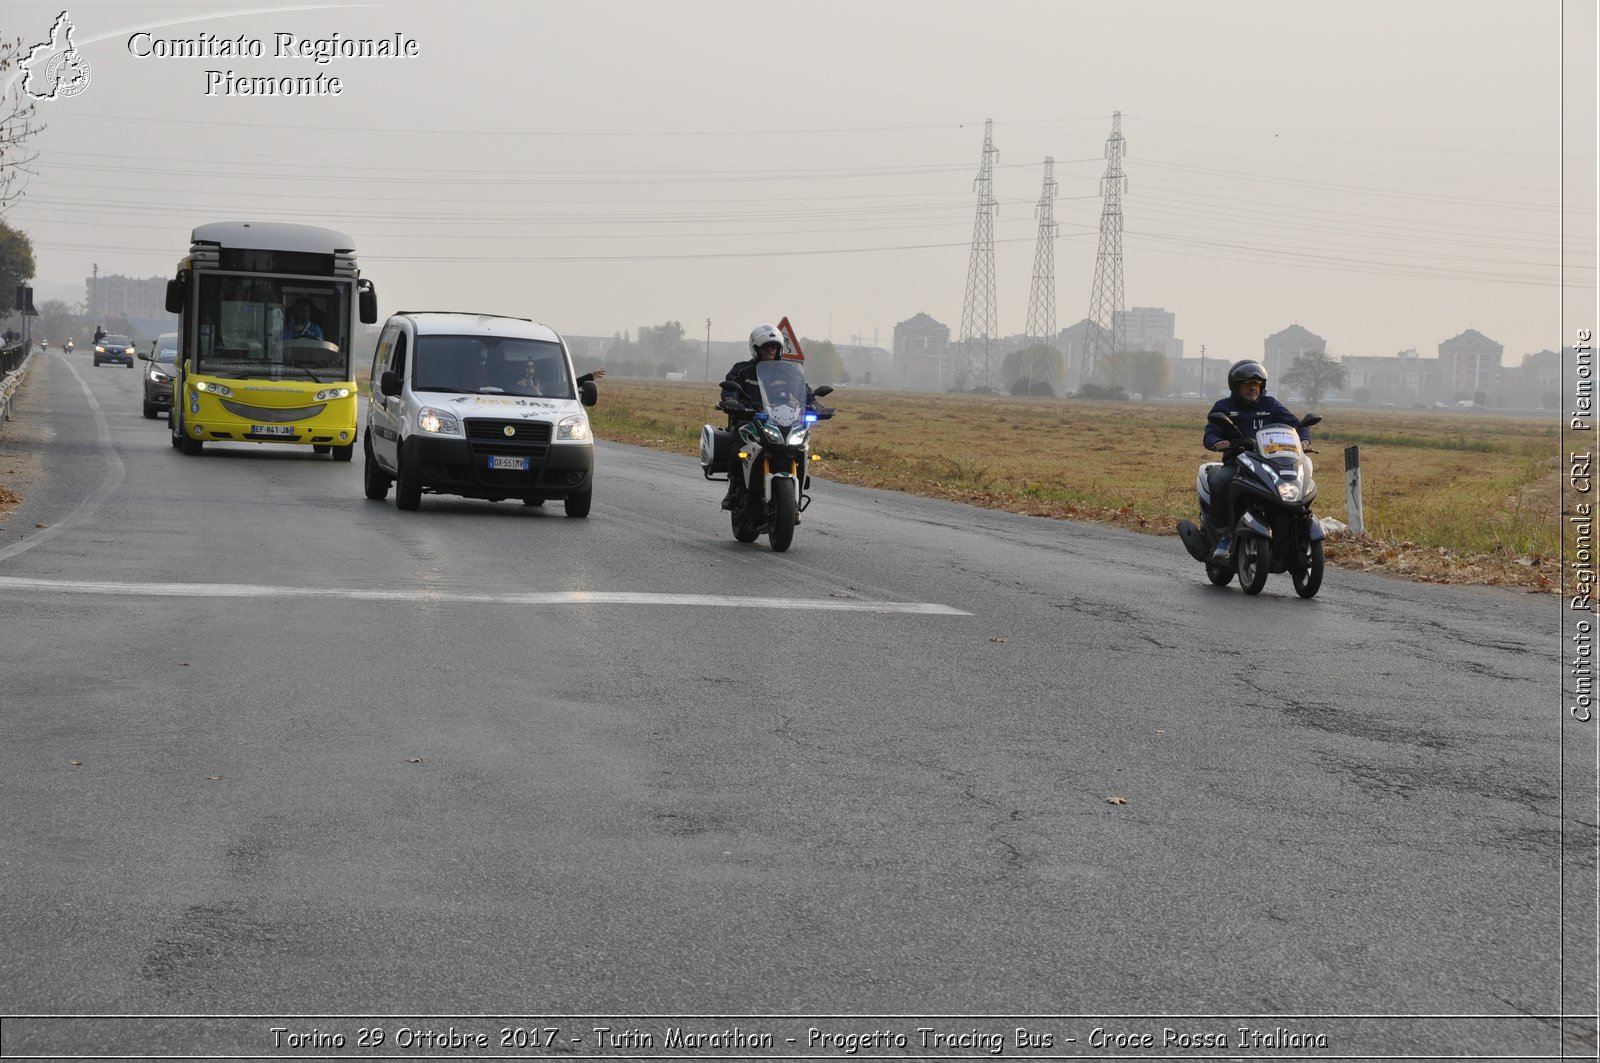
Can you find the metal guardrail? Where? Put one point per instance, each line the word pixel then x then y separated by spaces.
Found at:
pixel 11 356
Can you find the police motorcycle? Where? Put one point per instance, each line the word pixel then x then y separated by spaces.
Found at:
pixel 1273 526
pixel 767 453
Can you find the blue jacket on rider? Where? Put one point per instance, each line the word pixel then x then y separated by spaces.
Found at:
pixel 1248 419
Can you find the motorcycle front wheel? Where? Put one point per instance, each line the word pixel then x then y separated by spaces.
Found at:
pixel 1255 559
pixel 1307 575
pixel 783 513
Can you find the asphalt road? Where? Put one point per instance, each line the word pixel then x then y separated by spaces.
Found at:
pixel 275 749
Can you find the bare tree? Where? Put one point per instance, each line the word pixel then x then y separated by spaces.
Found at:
pixel 19 124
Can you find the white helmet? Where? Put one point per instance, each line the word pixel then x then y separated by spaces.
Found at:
pixel 764 334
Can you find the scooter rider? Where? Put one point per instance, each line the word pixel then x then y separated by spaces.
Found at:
pixel 1248 407
pixel 766 345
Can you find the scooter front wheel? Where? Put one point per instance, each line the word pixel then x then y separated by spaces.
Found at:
pixel 1221 575
pixel 1308 577
pixel 1255 560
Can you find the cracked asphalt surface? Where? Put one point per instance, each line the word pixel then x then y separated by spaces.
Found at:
pixel 1347 806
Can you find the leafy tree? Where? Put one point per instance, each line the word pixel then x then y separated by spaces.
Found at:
pixel 824 365
pixel 1315 374
pixel 1034 370
pixel 57 321
pixel 17 127
pixel 1141 372
pixel 16 262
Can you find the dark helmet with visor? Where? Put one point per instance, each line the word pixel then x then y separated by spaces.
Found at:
pixel 1245 370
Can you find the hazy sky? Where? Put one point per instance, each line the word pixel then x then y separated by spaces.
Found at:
pixel 1384 173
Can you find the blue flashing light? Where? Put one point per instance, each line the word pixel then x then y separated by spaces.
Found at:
pixel 762 416
pixel 810 417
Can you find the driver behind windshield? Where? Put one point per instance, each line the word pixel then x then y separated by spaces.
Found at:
pixel 300 326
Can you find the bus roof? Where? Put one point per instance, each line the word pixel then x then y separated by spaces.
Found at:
pixel 273 236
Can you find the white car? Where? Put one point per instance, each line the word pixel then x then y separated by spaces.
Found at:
pixel 479 406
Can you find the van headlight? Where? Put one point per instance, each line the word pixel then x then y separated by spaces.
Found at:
pixel 574 429
pixel 333 393
pixel 438 422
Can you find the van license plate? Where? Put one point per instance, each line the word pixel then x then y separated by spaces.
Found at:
pixel 508 463
pixel 272 429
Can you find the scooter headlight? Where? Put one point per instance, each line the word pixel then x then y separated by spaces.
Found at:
pixel 1289 491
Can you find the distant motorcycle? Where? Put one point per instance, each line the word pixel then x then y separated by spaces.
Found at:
pixel 768 453
pixel 1273 528
pixel 66 348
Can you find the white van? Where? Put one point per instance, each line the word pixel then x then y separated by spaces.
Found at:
pixel 479 406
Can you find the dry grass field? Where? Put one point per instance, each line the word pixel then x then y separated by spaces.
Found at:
pixel 1449 496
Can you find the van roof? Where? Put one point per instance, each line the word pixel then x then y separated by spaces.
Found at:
pixel 451 322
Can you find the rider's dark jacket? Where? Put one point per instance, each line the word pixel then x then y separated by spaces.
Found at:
pixel 1249 419
pixel 732 384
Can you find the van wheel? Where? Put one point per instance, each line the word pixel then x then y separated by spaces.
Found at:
pixel 578 505
pixel 373 481
pixel 408 487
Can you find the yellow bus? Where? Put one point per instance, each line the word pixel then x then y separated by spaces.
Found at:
pixel 267 315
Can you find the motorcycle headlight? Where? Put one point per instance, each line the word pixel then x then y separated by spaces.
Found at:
pixel 574 429
pixel 333 393
pixel 797 435
pixel 1289 492
pixel 213 388
pixel 438 422
pixel 771 432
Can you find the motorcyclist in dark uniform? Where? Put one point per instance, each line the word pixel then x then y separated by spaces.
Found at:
pixel 1249 407
pixel 766 345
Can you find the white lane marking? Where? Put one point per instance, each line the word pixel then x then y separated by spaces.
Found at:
pixel 252 590
pixel 83 509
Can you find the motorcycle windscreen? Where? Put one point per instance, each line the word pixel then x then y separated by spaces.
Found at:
pixel 783 392
pixel 1276 439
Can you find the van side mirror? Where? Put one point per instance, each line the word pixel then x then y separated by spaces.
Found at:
pixel 367 297
pixel 588 394
pixel 389 383
pixel 826 389
pixel 175 296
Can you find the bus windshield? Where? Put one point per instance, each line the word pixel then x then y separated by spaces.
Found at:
pixel 275 328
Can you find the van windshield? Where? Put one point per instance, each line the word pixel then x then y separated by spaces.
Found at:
pixel 492 365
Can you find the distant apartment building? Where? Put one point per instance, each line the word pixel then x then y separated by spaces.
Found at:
pixel 131 297
pixel 1149 328
pixel 1073 342
pixel 1403 379
pixel 1469 366
pixel 920 346
pixel 1282 348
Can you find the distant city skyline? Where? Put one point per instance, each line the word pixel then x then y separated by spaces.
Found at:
pixel 683 160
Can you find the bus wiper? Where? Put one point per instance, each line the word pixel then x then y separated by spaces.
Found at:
pixel 303 369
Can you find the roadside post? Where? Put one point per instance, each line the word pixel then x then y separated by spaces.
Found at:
pixel 1352 487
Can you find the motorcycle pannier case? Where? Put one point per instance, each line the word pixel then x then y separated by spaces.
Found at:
pixel 715 445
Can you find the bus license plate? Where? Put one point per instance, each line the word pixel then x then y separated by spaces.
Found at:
pixel 520 464
pixel 272 429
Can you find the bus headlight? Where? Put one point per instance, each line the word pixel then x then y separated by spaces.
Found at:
pixel 333 393
pixel 574 429
pixel 438 422
pixel 211 387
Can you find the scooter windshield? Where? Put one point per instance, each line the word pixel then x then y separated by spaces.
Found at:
pixel 783 392
pixel 1275 440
